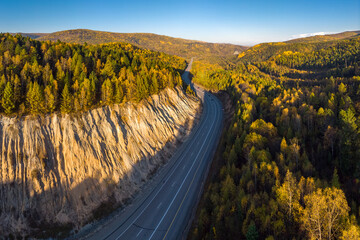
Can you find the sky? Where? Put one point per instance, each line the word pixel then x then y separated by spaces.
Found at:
pixel 227 21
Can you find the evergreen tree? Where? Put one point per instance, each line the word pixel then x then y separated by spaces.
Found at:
pixel 107 91
pixel 7 101
pixel 17 91
pixel 49 99
pixel 35 99
pixel 335 179
pixel 66 101
pixel 119 94
pixel 252 233
pixel 154 85
pixel 2 85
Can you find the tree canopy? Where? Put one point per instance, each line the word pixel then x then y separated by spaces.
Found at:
pixel 43 77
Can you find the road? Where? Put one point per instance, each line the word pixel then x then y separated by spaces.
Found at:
pixel 164 210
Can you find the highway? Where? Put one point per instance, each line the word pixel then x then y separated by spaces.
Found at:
pixel 163 211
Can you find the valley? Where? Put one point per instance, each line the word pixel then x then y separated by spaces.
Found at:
pixel 110 135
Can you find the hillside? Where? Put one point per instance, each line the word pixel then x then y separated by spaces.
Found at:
pixel 264 51
pixel 174 46
pixel 327 37
pixel 288 161
pixel 31 35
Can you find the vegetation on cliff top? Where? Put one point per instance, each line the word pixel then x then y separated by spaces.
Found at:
pixel 43 77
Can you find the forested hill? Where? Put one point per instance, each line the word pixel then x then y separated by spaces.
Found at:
pixel 338 58
pixel 174 46
pixel 327 37
pixel 289 164
pixel 264 51
pixel 43 77
pixel 31 35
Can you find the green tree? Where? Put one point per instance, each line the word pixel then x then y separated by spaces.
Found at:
pixel 335 179
pixel 7 101
pixel 49 99
pixel 35 99
pixel 119 94
pixel 348 140
pixel 107 91
pixel 66 101
pixel 17 91
pixel 252 233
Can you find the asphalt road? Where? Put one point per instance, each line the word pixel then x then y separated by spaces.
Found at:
pixel 164 210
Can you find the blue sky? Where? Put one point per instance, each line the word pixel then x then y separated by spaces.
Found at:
pixel 232 21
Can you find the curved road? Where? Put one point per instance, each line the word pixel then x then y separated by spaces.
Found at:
pixel 164 210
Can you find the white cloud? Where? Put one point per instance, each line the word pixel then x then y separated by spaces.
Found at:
pixel 303 35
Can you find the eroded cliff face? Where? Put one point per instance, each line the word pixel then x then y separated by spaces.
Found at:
pixel 58 169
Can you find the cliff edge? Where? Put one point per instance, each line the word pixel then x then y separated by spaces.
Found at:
pixel 56 170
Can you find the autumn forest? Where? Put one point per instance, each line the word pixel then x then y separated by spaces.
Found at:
pixel 43 77
pixel 289 165
pixel 288 161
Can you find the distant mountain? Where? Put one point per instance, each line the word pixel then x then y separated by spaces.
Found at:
pixel 264 51
pixel 32 35
pixel 174 46
pixel 327 37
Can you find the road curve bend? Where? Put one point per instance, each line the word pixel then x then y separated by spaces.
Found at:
pixel 164 211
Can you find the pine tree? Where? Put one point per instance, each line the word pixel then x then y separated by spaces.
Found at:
pixel 17 91
pixel 119 94
pixel 2 85
pixel 335 179
pixel 50 99
pixel 252 233
pixel 154 85
pixel 107 91
pixel 67 100
pixel 35 99
pixel 7 101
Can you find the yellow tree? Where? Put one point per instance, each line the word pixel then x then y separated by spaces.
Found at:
pixel 324 213
pixel 288 194
pixel 351 233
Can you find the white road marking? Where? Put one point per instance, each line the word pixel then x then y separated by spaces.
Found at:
pixel 172 185
pixel 159 205
pixel 172 172
pixel 139 232
pixel 162 218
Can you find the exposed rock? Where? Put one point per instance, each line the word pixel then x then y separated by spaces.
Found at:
pixel 58 169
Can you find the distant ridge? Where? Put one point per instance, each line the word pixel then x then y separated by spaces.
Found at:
pixel 170 45
pixel 264 51
pixel 32 35
pixel 326 37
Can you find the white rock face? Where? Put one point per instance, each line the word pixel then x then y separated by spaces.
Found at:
pixel 58 169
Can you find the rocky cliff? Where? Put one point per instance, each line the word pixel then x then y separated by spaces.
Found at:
pixel 56 170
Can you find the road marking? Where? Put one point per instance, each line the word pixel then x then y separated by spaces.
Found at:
pixel 192 154
pixel 161 187
pixel 183 198
pixel 172 185
pixel 159 205
pixel 162 218
pixel 139 232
